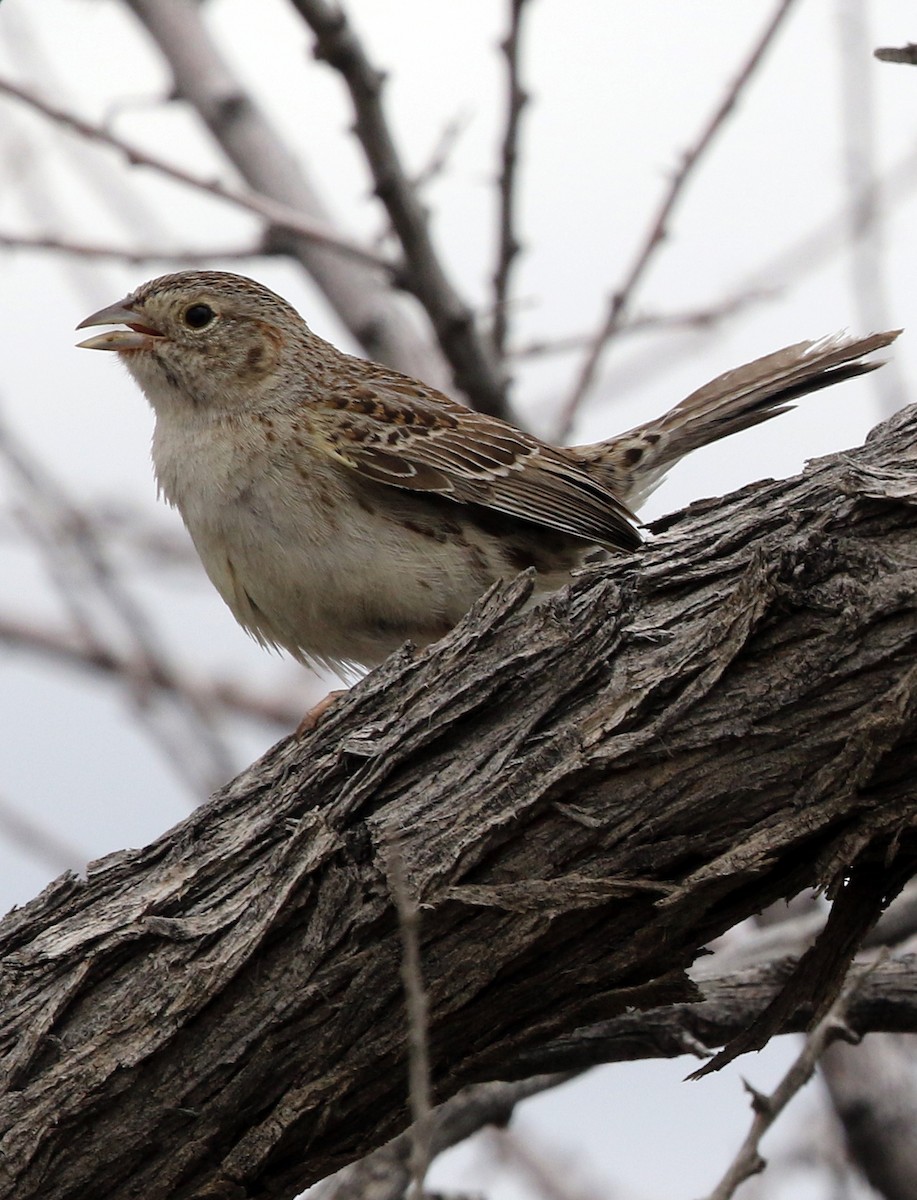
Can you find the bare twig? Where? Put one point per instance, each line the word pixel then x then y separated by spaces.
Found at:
pixel 869 286
pixel 508 243
pixel 50 206
pixel 206 79
pixel 767 1109
pixel 76 563
pixel 794 261
pixel 280 216
pixel 39 843
pixel 438 158
pixel 694 318
pixel 476 372
pixel 384 1174
pixel 417 1007
pixel 60 647
pixel 898 54
pixel 659 226
pixel 538 1174
pixel 130 254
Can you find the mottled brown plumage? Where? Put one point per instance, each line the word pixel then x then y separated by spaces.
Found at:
pixel 341 508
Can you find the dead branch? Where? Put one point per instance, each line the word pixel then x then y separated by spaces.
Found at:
pixel 585 794
pixel 767 1109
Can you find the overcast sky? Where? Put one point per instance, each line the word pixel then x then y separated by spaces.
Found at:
pixel 619 90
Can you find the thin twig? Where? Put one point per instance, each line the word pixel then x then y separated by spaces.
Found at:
pixel 767 1109
pixel 898 54
pixel 41 844
pixel 439 156
pixel 62 648
pixel 470 355
pixel 508 243
pixel 384 1173
pixel 659 226
pixel 792 262
pixel 130 254
pixel 694 318
pixel 869 286
pixel 208 82
pixel 278 215
pixel 76 562
pixel 417 1007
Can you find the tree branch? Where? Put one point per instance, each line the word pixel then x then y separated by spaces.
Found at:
pixel 361 295
pixel 508 243
pixel 767 1109
pixel 659 225
pixel 130 254
pixel 145 672
pixel 585 794
pixel 477 373
pixel 278 215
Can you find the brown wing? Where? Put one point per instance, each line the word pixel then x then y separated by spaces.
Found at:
pixel 634 462
pixel 390 430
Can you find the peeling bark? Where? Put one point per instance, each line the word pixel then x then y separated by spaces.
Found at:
pixel 584 793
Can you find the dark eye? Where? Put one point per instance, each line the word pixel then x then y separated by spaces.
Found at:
pixel 199 315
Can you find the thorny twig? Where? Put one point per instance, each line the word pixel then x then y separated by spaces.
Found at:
pixel 767 1109
pixel 658 228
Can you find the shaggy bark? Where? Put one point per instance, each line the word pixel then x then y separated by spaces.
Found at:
pixel 584 795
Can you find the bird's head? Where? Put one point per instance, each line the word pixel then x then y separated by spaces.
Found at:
pixel 206 339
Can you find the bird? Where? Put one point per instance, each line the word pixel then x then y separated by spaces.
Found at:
pixel 341 508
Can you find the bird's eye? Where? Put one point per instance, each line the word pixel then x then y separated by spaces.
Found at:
pixel 199 315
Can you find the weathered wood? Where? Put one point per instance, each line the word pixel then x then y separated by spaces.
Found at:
pixel 884 997
pixel 584 795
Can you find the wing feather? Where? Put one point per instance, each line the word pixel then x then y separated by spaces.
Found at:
pixel 422 441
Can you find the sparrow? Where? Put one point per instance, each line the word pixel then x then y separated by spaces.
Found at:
pixel 341 508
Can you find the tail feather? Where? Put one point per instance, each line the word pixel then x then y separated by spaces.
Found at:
pixel 634 463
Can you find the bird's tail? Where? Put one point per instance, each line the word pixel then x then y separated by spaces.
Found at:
pixel 633 464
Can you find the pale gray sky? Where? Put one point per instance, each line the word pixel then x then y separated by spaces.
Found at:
pixel 619 91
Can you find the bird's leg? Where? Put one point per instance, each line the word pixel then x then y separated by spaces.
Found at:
pixel 317 711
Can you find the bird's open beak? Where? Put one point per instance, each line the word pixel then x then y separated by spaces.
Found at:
pixel 135 337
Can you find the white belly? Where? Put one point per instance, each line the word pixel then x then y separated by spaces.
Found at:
pixel 298 560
